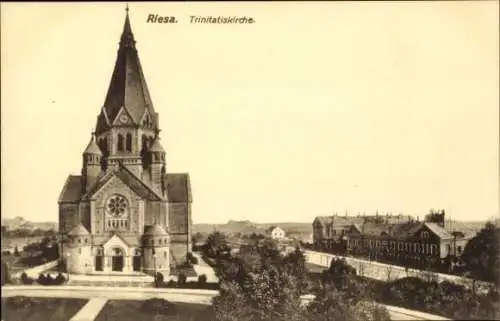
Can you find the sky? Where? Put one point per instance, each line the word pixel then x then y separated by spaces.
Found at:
pixel 315 109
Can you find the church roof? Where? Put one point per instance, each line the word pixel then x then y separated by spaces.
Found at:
pixel 79 230
pixel 72 190
pixel 92 148
pixel 157 146
pixel 127 88
pixel 154 230
pixel 178 187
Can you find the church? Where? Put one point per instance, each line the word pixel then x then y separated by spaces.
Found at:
pixel 125 214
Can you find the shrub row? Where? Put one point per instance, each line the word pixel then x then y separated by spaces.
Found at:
pixel 183 284
pixel 43 279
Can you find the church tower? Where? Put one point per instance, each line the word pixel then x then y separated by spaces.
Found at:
pixel 91 168
pixel 127 124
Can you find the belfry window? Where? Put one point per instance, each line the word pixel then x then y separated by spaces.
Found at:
pixel 120 142
pixel 129 142
pixel 144 142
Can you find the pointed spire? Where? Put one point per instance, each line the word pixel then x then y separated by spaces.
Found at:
pixel 127 38
pixel 127 88
pixel 92 148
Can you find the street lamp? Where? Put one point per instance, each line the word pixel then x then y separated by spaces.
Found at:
pixel 154 264
pixel 68 255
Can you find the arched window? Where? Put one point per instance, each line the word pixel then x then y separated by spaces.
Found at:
pixel 129 142
pixel 144 142
pixel 120 142
pixel 151 140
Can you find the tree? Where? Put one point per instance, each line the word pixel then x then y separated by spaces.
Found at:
pixel 435 216
pixel 197 237
pixel 339 274
pixel 344 297
pixel 260 284
pixel 216 245
pixel 295 264
pixel 481 254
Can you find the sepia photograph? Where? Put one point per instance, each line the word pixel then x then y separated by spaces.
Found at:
pixel 250 161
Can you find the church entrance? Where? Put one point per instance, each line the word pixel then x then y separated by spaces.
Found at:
pixel 117 260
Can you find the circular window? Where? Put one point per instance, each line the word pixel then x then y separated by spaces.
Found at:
pixel 117 206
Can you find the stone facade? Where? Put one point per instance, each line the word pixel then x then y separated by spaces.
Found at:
pixel 125 213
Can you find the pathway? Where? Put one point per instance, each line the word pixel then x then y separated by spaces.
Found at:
pixel 203 268
pixel 90 310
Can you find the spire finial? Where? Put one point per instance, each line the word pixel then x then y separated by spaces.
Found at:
pixel 126 8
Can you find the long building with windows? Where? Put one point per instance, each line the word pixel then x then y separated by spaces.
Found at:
pixel 393 239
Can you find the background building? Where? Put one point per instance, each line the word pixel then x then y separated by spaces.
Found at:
pixel 395 239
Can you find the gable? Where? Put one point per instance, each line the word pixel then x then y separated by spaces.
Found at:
pixel 129 180
pixel 115 242
pixel 318 222
pixel 147 119
pixel 123 118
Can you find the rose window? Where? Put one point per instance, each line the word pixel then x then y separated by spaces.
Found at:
pixel 117 206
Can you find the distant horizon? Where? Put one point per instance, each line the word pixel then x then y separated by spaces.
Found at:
pixel 311 110
pixel 271 222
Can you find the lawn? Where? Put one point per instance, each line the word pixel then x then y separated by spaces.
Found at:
pixel 40 309
pixel 153 310
pixel 187 270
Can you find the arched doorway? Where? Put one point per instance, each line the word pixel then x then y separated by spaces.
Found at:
pixel 117 260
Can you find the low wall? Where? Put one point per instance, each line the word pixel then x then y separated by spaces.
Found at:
pixel 388 272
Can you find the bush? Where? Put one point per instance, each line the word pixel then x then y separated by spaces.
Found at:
pixel 47 279
pixel 60 279
pixel 171 284
pixel 159 280
pixel 25 279
pixel 202 279
pixel 181 279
